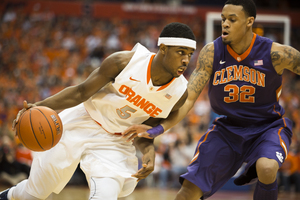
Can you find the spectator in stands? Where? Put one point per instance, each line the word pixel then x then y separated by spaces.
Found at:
pixel 289 172
pixel 11 170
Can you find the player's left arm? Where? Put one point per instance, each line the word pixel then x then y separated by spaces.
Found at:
pixel 285 57
pixel 146 147
pixel 133 131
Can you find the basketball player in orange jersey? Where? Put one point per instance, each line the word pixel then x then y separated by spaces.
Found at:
pixel 129 87
pixel 244 74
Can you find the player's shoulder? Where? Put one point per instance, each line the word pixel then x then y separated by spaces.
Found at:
pixel 140 48
pixel 263 39
pixel 208 50
pixel 121 56
pixel 120 59
pixel 208 47
pixel 284 57
pixel 182 80
pixel 281 50
pixel 278 47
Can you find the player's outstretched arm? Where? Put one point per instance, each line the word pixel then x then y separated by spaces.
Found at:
pixel 74 95
pixel 197 82
pixel 285 57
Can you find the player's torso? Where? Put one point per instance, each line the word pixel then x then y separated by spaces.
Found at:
pixel 132 98
pixel 246 86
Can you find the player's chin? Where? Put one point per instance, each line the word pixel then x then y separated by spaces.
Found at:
pixel 226 41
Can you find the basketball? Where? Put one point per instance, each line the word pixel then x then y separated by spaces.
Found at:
pixel 39 128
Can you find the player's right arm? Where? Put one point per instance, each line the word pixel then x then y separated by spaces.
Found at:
pixel 196 84
pixel 285 57
pixel 74 95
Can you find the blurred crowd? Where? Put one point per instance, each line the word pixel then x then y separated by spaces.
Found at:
pixel 270 4
pixel 40 54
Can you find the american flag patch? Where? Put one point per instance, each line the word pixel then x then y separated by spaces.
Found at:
pixel 168 96
pixel 258 62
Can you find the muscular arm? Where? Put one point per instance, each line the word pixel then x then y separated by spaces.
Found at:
pixel 74 95
pixel 197 82
pixel 285 57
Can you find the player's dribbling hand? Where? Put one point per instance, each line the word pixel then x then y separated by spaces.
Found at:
pixel 147 167
pixel 136 131
pixel 26 107
pixel 143 172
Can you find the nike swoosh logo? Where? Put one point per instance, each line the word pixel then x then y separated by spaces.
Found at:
pixel 222 62
pixel 130 78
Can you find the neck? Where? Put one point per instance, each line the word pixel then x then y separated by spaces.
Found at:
pixel 159 76
pixel 243 44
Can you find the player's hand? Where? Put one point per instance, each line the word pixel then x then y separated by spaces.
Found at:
pixel 26 107
pixel 147 166
pixel 136 131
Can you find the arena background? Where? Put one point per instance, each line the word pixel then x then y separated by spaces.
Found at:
pixel 48 45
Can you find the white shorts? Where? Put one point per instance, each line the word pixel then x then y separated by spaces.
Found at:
pixel 100 154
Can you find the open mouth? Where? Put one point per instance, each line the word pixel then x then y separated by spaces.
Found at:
pixel 224 34
pixel 180 71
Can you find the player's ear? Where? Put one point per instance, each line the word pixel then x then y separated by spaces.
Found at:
pixel 163 48
pixel 250 21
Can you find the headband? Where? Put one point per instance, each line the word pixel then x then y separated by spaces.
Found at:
pixel 174 41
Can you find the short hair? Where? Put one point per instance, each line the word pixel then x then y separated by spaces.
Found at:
pixel 248 6
pixel 179 30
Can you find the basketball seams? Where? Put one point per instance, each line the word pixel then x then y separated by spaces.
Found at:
pixel 49 125
pixel 33 130
pixel 37 121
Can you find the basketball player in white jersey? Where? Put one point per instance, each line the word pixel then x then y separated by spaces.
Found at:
pixel 130 87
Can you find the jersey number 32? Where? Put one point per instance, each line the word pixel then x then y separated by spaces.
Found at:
pixel 243 94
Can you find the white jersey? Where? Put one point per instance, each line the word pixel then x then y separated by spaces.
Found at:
pixel 133 98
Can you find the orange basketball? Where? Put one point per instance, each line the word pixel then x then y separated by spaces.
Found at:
pixel 39 128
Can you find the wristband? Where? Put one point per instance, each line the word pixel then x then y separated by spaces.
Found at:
pixel 156 131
